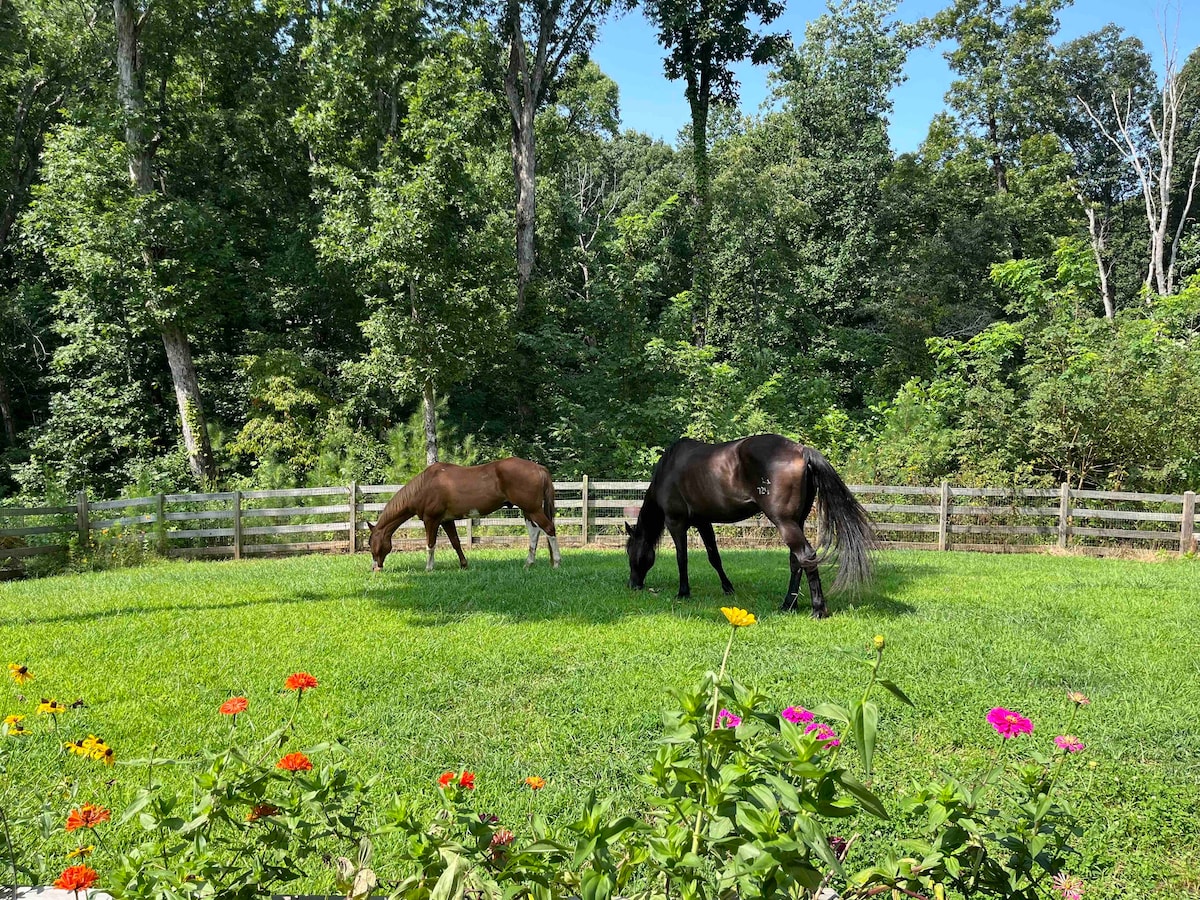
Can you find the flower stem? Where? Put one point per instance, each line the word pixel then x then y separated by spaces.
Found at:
pixel 711 727
pixel 12 854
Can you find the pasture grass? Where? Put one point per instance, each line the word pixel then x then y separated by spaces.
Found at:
pixel 564 674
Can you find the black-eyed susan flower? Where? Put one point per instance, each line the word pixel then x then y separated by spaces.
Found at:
pixel 738 618
pixel 81 852
pixel 20 674
pixel 51 707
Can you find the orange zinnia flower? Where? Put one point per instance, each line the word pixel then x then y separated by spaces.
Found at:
pixel 87 816
pixel 76 878
pixel 300 681
pixel 233 706
pixel 467 780
pixel 536 783
pixel 295 762
pixel 446 779
pixel 262 811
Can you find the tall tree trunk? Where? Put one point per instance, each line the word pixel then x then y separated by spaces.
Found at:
pixel 702 258
pixel 429 406
pixel 1098 232
pixel 521 88
pixel 6 413
pixel 131 95
pixel 187 397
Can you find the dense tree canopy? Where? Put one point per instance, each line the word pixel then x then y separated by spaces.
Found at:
pixel 274 244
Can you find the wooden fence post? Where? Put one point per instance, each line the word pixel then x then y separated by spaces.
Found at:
pixel 1187 526
pixel 160 523
pixel 1064 514
pixel 237 524
pixel 944 518
pixel 354 517
pixel 583 509
pixel 470 531
pixel 81 519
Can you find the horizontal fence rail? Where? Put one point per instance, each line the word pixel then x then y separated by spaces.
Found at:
pixel 234 524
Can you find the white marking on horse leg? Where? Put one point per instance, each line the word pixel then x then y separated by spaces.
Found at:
pixel 554 554
pixel 534 534
pixel 429 560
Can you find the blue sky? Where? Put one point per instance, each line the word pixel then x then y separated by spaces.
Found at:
pixel 629 53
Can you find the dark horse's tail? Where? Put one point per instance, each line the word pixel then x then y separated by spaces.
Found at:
pixel 548 495
pixel 844 523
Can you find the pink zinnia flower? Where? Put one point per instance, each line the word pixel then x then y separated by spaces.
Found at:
pixel 797 715
pixel 1078 698
pixel 1068 743
pixel 1009 724
pixel 726 719
pixel 824 733
pixel 1070 886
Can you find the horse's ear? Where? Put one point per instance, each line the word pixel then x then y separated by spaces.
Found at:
pixel 370 528
pixel 628 530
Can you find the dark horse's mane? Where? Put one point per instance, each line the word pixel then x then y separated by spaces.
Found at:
pixel 652 520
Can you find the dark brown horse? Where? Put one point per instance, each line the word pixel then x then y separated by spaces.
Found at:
pixel 697 484
pixel 445 492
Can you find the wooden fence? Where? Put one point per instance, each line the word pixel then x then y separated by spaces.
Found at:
pixel 332 519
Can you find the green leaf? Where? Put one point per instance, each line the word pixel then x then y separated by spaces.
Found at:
pixel 866 725
pixel 862 793
pixel 833 711
pixel 896 692
pixel 449 885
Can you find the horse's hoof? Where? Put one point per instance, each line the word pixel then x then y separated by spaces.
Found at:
pixel 554 565
pixel 687 596
pixel 819 614
pixel 728 589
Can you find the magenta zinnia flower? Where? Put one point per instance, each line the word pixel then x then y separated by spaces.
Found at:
pixel 1070 886
pixel 726 719
pixel 1068 743
pixel 1009 724
pixel 824 733
pixel 797 715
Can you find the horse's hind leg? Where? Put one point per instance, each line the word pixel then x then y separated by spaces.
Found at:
pixel 452 532
pixel 710 544
pixel 803 558
pixel 542 521
pixel 534 533
pixel 431 530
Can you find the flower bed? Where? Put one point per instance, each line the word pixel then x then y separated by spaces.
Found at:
pixel 753 798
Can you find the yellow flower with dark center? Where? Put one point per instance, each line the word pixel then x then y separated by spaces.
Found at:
pixel 105 755
pixel 16 730
pixel 13 720
pixel 51 707
pixel 79 748
pixel 81 851
pixel 20 674
pixel 738 618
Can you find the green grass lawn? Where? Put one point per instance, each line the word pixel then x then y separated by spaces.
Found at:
pixel 564 673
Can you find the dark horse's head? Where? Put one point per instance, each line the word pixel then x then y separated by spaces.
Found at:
pixel 640 548
pixel 381 546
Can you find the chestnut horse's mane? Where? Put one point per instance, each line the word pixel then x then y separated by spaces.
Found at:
pixel 405 498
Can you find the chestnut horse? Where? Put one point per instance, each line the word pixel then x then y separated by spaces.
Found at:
pixel 445 492
pixel 697 484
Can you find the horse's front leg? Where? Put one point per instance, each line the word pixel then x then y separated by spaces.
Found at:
pixel 431 530
pixel 710 544
pixel 679 536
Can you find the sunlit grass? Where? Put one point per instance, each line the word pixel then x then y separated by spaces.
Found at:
pixel 563 674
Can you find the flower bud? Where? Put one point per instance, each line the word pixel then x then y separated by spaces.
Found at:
pixel 879 642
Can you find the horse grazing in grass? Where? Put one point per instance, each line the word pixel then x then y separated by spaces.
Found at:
pixel 445 492
pixel 697 484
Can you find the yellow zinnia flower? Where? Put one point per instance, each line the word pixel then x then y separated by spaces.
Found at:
pixel 880 643
pixel 738 618
pixel 20 674
pixel 81 851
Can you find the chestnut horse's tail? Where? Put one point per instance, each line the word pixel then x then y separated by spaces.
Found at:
pixel 548 495
pixel 844 523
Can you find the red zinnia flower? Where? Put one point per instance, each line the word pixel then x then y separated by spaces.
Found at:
pixel 300 681
pixel 446 779
pixel 295 762
pixel 88 816
pixel 467 780
pixel 76 878
pixel 233 706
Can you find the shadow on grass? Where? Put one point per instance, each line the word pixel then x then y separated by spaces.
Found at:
pixel 591 588
pixel 97 615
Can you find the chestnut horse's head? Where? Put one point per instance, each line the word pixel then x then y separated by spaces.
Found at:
pixel 381 546
pixel 640 548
